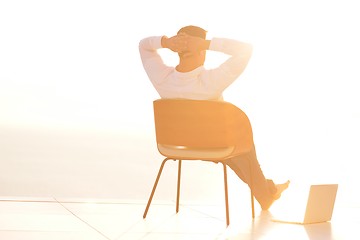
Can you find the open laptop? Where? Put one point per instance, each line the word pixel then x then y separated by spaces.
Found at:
pixel 319 206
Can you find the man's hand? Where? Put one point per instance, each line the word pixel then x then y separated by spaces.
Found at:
pixel 185 43
pixel 177 43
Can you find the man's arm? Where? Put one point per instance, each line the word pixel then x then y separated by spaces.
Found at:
pixel 239 55
pixel 151 59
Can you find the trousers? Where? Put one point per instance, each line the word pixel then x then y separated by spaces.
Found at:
pixel 247 168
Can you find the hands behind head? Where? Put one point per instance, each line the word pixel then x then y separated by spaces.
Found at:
pixel 185 43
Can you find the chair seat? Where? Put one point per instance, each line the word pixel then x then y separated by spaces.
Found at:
pixel 181 152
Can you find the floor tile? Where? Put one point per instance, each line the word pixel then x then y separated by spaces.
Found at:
pixel 37 216
pixel 178 236
pixel 28 219
pixel 22 220
pixel 52 235
pixel 110 219
pixel 27 199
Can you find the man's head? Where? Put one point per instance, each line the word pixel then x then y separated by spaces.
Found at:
pixel 193 31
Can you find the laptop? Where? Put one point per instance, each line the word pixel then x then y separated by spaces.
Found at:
pixel 319 206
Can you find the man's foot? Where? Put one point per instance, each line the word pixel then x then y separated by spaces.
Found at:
pixel 279 189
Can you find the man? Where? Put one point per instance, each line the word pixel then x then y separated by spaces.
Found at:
pixel 190 80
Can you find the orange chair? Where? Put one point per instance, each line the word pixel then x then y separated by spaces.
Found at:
pixel 200 130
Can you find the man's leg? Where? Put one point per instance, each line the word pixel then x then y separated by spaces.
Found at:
pixel 248 169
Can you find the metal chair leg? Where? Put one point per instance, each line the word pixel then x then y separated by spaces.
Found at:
pixel 178 191
pixel 178 188
pixel 252 205
pixel 226 196
pixel 154 187
pixel 251 193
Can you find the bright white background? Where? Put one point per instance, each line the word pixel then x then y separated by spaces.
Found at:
pixel 76 105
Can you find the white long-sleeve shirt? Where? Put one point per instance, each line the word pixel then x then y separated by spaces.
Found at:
pixel 200 83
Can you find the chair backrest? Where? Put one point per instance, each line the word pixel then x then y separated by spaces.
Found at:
pixel 202 125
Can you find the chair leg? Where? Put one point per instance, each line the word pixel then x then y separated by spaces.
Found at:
pixel 226 196
pixel 252 205
pixel 251 193
pixel 178 188
pixel 154 187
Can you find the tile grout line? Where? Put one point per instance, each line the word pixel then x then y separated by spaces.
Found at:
pixel 81 219
pixel 128 230
pixel 145 233
pixel 155 227
pixel 205 213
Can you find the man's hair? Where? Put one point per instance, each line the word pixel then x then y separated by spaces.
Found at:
pixel 193 31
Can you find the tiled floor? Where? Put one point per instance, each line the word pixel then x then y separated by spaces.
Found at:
pixel 50 218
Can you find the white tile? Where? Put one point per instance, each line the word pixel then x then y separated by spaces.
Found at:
pixel 172 236
pixel 163 218
pixel 187 221
pixel 37 216
pixel 120 220
pixel 27 199
pixel 132 236
pixel 41 220
pixel 158 215
pixel 54 235
pixel 110 219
